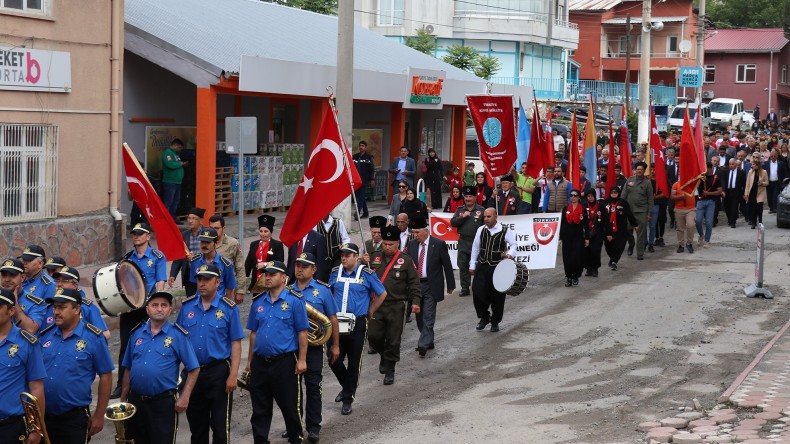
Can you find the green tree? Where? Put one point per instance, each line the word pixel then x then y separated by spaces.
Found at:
pixel 461 57
pixel 747 14
pixel 487 66
pixel 422 41
pixel 326 7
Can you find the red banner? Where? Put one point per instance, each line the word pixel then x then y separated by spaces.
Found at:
pixel 496 131
pixel 168 238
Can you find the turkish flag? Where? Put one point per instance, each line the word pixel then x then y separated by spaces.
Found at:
pixel 168 238
pixel 328 179
pixel 536 161
pixel 496 131
pixel 441 228
pixel 660 163
pixel 689 168
pixel 611 174
pixel 573 155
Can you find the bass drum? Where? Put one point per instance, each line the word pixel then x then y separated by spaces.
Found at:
pixel 119 288
pixel 510 277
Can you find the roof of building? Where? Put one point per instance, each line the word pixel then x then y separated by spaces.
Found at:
pixel 745 40
pixel 214 34
pixel 595 5
pixel 635 20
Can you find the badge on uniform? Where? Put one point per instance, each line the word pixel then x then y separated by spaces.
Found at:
pixel 32 289
pixel 219 314
pixel 150 263
pixel 400 261
pixel 51 320
pixel 260 309
pixel 13 350
pixel 191 315
pixel 80 345
pixel 397 275
pixel 284 306
pixel 139 341
pixel 168 341
pixel 316 292
pixel 47 344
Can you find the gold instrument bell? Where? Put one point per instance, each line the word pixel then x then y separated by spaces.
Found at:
pixel 34 420
pixel 119 413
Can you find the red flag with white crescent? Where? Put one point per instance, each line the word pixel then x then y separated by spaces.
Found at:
pixel 168 238
pixel 328 179
pixel 659 163
pixel 441 228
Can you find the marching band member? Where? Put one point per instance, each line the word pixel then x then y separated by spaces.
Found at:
pixel 493 242
pixel 209 255
pixel 12 274
pixel 156 349
pixel 352 286
pixel 319 296
pixel 20 359
pixel 68 277
pixel 215 332
pixel 54 264
pixel 36 287
pixel 277 358
pixel 74 352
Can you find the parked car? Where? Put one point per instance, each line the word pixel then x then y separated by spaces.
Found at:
pixel 783 206
pixel 675 121
pixel 726 112
pixel 748 119
pixel 566 112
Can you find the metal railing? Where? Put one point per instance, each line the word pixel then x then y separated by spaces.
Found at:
pixel 601 91
pixel 565 24
pixel 28 172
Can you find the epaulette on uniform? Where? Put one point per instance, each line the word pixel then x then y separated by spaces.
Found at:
pixel 298 295
pixel 368 270
pixel 336 268
pixel 226 261
pixel 136 326
pixel 87 302
pixel 46 279
pixel 183 330
pixel 323 283
pixel 188 299
pixel 34 299
pixel 29 337
pixel 195 257
pixel 229 301
pixel 126 256
pixel 257 295
pixel 158 254
pixel 96 330
pixel 41 333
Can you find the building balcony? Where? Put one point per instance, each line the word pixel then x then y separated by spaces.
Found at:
pixel 582 90
pixel 516 26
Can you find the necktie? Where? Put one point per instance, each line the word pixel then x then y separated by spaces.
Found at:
pixel 421 260
pixel 732 179
pixel 300 247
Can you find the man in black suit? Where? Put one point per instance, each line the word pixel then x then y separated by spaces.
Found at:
pixel 734 183
pixel 771 116
pixel 777 172
pixel 433 260
pixel 312 242
pixel 745 166
pixel 672 177
pixel 190 236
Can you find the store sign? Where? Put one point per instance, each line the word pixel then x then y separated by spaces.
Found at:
pixel 690 77
pixel 424 89
pixel 24 69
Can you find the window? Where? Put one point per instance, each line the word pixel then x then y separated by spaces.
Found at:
pixel 784 74
pixel 390 12
pixel 672 44
pixel 35 6
pixel 710 73
pixel 746 73
pixel 28 172
pixel 623 45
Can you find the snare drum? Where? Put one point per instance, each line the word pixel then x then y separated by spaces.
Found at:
pixel 510 277
pixel 119 288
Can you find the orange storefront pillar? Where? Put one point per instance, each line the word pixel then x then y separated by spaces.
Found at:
pixel 397 132
pixel 317 109
pixel 458 138
pixel 205 182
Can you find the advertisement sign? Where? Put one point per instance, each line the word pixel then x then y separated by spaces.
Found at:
pixel 158 138
pixel 24 69
pixel 495 126
pixel 537 236
pixel 424 89
pixel 690 77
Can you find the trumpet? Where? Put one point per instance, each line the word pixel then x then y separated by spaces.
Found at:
pixel 34 420
pixel 244 381
pixel 119 413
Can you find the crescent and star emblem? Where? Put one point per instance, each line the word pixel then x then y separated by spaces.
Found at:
pixel 438 231
pixel 545 229
pixel 337 152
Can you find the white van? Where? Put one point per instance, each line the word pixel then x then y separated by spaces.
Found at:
pixel 726 112
pixel 675 121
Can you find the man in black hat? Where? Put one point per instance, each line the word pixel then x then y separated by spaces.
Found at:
pixel 372 245
pixel 335 235
pixel 433 268
pixel 23 371
pixel 190 236
pixel 315 244
pixel 506 201
pixel 54 264
pixel 12 274
pixel 467 219
pixel 74 353
pixel 263 250
pixel 156 351
pixel 209 255
pixel 36 287
pixel 398 273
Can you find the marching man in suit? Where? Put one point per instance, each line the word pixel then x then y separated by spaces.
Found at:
pixel 314 243
pixel 433 261
pixel 733 191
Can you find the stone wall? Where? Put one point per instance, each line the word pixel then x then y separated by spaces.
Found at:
pixel 81 240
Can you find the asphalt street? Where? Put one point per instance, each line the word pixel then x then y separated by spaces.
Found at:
pixel 571 365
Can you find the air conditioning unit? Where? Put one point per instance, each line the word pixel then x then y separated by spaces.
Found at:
pixel 707 94
pixel 429 29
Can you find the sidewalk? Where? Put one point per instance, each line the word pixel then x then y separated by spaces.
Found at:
pixel 754 409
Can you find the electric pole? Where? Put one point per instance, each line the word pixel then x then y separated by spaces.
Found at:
pixel 644 73
pixel 701 46
pixel 628 62
pixel 344 85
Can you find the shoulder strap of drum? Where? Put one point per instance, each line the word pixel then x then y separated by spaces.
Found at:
pixel 346 285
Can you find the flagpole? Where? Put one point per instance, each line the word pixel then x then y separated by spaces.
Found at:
pixel 331 99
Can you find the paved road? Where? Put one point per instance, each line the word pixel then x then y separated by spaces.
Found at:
pixel 584 364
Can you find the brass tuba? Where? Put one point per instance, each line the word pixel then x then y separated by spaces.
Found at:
pixel 320 326
pixel 34 420
pixel 119 413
